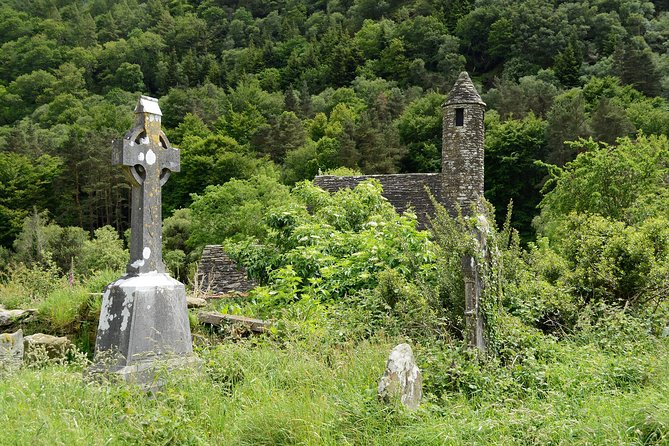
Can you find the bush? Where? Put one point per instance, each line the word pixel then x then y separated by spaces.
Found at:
pixel 27 286
pixel 610 262
pixel 64 306
pixel 97 282
pixel 104 252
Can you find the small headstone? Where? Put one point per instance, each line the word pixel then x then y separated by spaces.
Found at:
pixel 402 378
pixel 11 317
pixel 55 346
pixel 11 350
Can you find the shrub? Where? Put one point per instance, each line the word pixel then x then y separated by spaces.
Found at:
pixel 613 263
pixel 26 286
pixel 105 251
pixel 64 306
pixel 97 282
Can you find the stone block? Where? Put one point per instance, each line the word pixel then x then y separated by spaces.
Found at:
pixel 11 350
pixel 144 319
pixel 55 346
pixel 196 302
pixel 402 378
pixel 11 317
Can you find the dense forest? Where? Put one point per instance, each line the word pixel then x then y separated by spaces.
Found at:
pixel 291 88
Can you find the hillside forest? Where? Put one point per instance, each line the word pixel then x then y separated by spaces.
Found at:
pixel 261 96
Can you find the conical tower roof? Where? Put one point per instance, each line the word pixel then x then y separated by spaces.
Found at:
pixel 463 92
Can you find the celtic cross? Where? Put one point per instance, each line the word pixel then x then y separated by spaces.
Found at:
pixel 147 159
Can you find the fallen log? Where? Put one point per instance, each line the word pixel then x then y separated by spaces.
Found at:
pixel 220 319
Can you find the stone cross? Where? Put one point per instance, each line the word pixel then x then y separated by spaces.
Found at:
pixel 144 319
pixel 147 159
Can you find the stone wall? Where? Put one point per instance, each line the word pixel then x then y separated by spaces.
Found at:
pixel 403 191
pixel 219 274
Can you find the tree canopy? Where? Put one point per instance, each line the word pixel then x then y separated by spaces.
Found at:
pixel 291 88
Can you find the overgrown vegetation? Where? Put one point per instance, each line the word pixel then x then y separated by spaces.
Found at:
pixel 264 96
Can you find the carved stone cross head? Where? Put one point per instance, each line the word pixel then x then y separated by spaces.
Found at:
pixel 147 159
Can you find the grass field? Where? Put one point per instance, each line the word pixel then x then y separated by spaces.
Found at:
pixel 272 393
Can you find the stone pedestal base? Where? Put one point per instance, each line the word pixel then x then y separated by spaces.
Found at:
pixel 143 327
pixel 148 375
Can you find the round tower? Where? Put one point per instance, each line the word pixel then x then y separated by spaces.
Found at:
pixel 462 145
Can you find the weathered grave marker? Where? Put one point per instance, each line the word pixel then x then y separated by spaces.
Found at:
pixel 11 350
pixel 144 318
pixel 402 378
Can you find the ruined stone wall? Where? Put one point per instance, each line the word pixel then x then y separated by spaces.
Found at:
pixel 219 274
pixel 401 190
pixel 462 155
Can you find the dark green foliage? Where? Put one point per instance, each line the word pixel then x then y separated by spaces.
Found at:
pixel 566 122
pixel 609 122
pixel 24 184
pixel 511 151
pixel 259 73
pixel 568 65
pixel 635 66
pixel 420 128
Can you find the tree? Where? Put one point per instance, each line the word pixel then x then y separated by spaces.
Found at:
pixel 635 66
pixel 25 184
pixel 103 252
pixel 281 135
pixel 566 122
pixel 420 128
pixel 512 148
pixel 624 182
pixel 609 121
pixel 214 159
pixel 235 209
pixel 516 99
pixel 568 65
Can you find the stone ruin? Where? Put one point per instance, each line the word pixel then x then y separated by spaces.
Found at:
pixel 459 185
pixel 219 275
pixel 460 182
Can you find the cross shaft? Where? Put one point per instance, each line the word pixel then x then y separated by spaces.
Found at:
pixel 147 159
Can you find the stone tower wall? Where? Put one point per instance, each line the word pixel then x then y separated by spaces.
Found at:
pixel 462 155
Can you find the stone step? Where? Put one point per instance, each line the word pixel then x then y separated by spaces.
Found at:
pixel 219 319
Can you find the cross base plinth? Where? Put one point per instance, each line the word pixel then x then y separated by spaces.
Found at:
pixel 148 375
pixel 143 328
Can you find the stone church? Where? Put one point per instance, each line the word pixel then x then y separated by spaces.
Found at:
pixel 460 183
pixel 461 179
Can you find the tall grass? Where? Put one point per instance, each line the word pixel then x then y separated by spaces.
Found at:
pixel 267 393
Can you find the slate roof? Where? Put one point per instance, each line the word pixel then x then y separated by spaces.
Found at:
pixel 403 191
pixel 463 92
